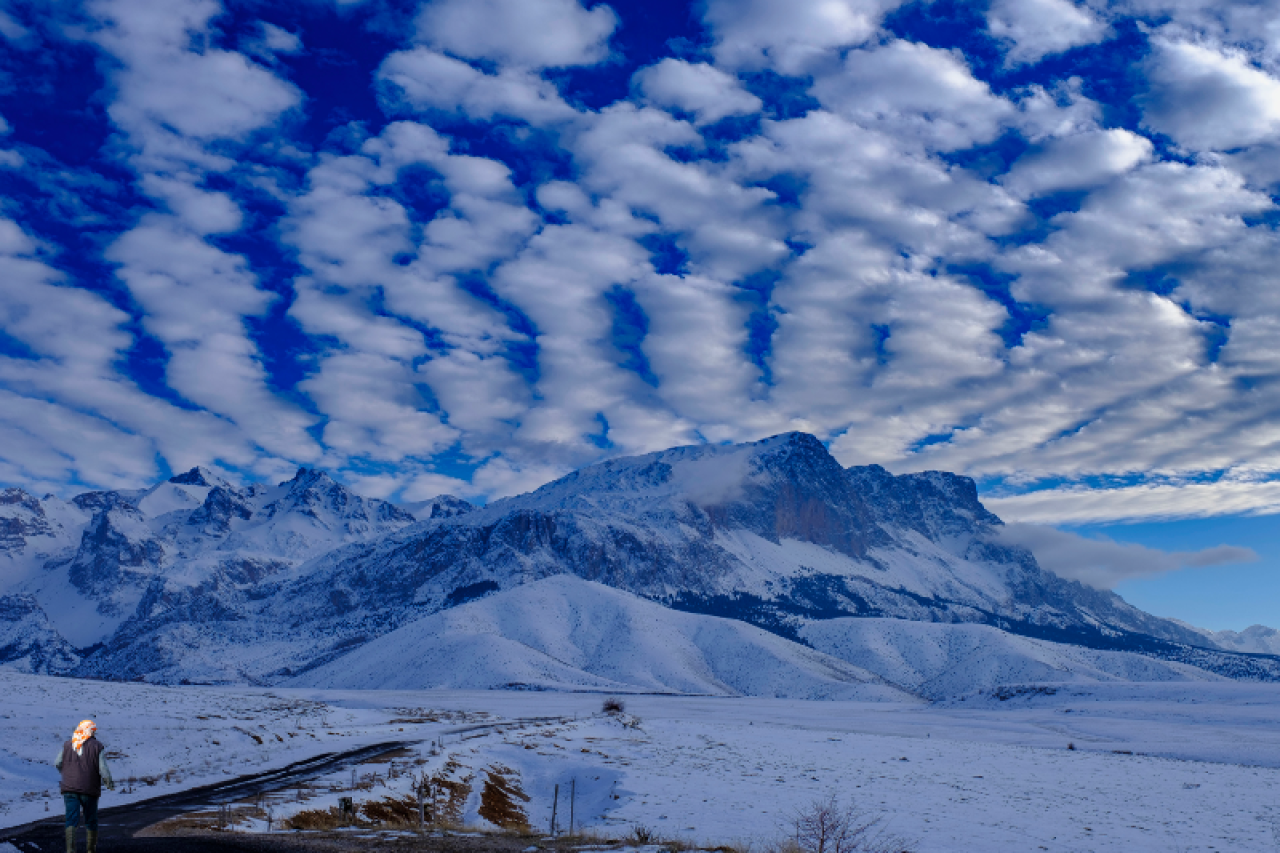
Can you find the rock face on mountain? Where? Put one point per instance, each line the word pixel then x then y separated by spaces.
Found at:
pixel 198 580
pixel 28 642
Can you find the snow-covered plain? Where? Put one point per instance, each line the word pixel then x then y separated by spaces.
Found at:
pixel 980 773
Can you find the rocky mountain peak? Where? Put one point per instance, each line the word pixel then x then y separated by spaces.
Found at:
pixel 213 517
pixel 198 476
pixel 313 493
pixel 21 517
pixel 14 496
pixel 438 508
pixel 95 502
pixel 936 504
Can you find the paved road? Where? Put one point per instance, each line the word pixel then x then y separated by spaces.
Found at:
pixel 118 824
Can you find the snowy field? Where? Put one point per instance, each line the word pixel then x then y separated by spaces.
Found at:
pixel 979 774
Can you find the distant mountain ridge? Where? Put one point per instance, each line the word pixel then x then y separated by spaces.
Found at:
pixel 198 580
pixel 90 563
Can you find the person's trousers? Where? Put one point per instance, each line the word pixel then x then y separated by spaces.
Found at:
pixel 77 803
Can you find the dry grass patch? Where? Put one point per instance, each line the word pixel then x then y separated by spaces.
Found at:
pixel 500 799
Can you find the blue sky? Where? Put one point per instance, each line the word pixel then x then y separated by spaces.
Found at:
pixel 469 245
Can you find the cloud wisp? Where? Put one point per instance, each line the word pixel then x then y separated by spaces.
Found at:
pixel 1102 563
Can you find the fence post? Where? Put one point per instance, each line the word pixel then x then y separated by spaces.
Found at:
pixel 554 802
pixel 573 801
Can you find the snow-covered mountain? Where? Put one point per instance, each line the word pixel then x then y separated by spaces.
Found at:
pixel 92 564
pixel 198 580
pixel 773 532
pixel 1256 639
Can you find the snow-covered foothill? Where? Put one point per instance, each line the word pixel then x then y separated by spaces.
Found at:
pixel 564 633
pixel 939 660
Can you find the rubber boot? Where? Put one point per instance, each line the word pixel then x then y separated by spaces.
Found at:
pixel 93 841
pixel 71 839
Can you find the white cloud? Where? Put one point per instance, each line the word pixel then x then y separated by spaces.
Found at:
pixel 1150 502
pixel 172 100
pixel 1249 26
pixel 788 35
pixel 11 29
pixel 425 79
pixel 913 91
pixel 1061 110
pixel 374 410
pixel 72 387
pixel 350 239
pixel 195 297
pixel 697 321
pixel 726 227
pixel 523 33
pixel 202 211
pixel 1038 28
pixel 698 88
pixel 49 443
pixel 861 333
pixel 1077 162
pixel 279 40
pixel 1152 215
pixel 559 281
pixel 1103 562
pixel 853 176
pixel 1208 98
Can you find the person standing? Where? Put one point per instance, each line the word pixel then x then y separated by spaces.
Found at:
pixel 83 762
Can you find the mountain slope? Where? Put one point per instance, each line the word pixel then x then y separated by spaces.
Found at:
pixel 567 633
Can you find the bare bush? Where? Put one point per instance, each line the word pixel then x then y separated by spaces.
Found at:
pixel 613 705
pixel 829 826
pixel 644 835
pixel 392 811
pixel 329 818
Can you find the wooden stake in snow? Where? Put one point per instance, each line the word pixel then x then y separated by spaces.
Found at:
pixel 555 801
pixel 573 801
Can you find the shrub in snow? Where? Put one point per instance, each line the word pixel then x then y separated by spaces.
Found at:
pixel 644 835
pixel 613 705
pixel 829 826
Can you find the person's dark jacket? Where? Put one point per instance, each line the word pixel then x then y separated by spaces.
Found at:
pixel 84 773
